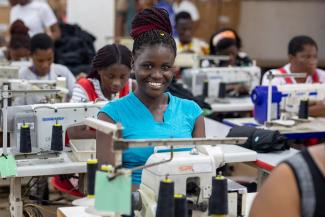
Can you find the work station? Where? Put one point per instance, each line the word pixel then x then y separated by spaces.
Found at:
pixel 162 108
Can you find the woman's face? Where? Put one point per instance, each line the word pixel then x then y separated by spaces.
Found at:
pixel 42 61
pixel 113 78
pixel 19 54
pixel 153 67
pixel 231 52
pixel 305 60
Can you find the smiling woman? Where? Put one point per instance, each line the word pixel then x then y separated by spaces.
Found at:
pixel 150 112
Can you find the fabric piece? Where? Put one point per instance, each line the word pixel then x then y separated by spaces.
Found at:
pixel 7 166
pixel 113 195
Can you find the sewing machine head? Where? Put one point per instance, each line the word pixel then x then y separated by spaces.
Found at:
pixel 191 172
pixel 41 118
pixel 215 80
pixel 294 93
pixel 285 100
pixel 25 91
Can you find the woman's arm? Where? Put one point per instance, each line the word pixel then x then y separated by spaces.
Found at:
pixel 317 109
pixel 279 195
pixel 199 127
pixel 81 132
pixel 54 32
pixel 104 144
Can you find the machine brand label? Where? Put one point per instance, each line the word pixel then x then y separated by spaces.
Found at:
pixel 53 119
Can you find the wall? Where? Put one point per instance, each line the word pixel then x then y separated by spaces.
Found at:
pixel 215 14
pixel 95 16
pixel 267 26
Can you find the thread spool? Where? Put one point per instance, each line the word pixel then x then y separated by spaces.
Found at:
pixel 218 201
pixel 92 165
pixel 166 203
pixel 205 89
pixel 222 90
pixel 57 140
pixel 303 109
pixel 180 205
pixel 107 168
pixel 25 141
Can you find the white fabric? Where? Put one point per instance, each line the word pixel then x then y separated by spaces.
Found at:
pixel 281 81
pixel 36 15
pixel 57 70
pixel 189 7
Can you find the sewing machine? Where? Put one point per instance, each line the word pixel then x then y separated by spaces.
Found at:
pixel 23 87
pixel 191 173
pixel 212 82
pixel 41 118
pixel 285 100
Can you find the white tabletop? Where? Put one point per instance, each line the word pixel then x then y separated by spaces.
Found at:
pixel 268 161
pixel 65 164
pixel 233 105
pixel 215 129
pixel 313 125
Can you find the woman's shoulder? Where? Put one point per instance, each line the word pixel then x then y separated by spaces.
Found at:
pixel 184 103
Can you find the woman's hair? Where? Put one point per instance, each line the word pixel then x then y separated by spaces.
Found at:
pixel 19 37
pixel 41 41
pixel 297 44
pixel 224 39
pixel 109 55
pixel 150 27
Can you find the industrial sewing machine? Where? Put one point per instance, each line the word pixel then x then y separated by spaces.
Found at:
pixel 22 87
pixel 285 100
pixel 41 118
pixel 191 173
pixel 213 82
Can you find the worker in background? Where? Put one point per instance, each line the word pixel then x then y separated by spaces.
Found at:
pixel 37 15
pixel 185 41
pixel 189 7
pixel 19 43
pixel 303 57
pixel 226 42
pixel 110 79
pixel 295 188
pixel 43 68
pixel 150 111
